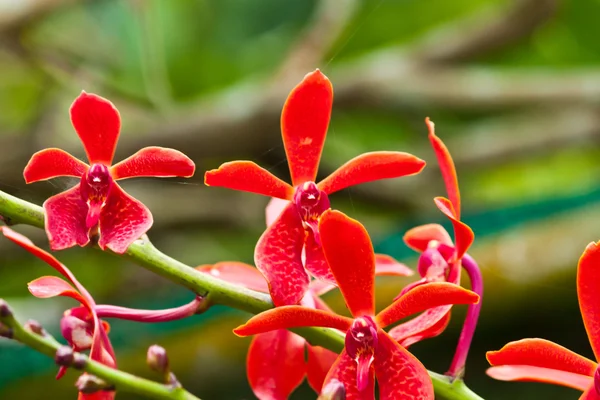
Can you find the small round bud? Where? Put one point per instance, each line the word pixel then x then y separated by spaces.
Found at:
pixel 89 384
pixel 5 331
pixel 334 390
pixel 5 310
pixel 64 356
pixel 35 327
pixel 157 359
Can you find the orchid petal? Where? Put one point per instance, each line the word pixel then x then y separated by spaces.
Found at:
pixel 319 288
pixel 399 374
pixel 387 265
pixel 286 317
pixel 304 121
pixel 51 286
pixel 52 163
pixel 123 220
pixel 274 209
pixel 65 215
pixel 463 235
pixel 447 167
pixel 350 256
pixel 101 395
pixel 527 373
pixel 315 261
pixel 154 161
pixel 344 370
pixel 424 297
pixel 278 256
pixel 590 394
pixel 319 363
pixel 237 273
pixel 427 325
pixel 97 123
pixel 372 166
pixel 541 353
pixel 418 238
pixel 588 292
pixel 276 364
pixel 248 177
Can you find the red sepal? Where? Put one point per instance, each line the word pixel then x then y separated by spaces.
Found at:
pixel 51 286
pixel 387 265
pixel 427 325
pixel 97 123
pixel 527 373
pixel 588 292
pixel 418 238
pixel 278 256
pixel 319 364
pixel 304 121
pixel 154 161
pixel 369 167
pixel 350 256
pixel 463 235
pixel 315 261
pixel 122 221
pixel 52 163
pixel 248 177
pixel 65 215
pixel 275 364
pixel 238 273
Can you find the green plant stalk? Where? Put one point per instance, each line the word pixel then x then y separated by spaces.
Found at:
pixel 143 253
pixel 122 381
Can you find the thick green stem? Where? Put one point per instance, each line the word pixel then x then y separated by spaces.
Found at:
pixel 122 381
pixel 143 253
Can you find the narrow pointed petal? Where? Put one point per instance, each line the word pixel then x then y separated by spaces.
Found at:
pixel 424 297
pixel 287 317
pixel 319 363
pixel 154 161
pixel 344 370
pixel 399 374
pixel 274 209
pixel 276 364
pixel 97 123
pixel 315 261
pixel 588 291
pixel 65 215
pixel 429 324
pixel 51 286
pixel 541 353
pixel 278 256
pixel 248 177
pixel 590 394
pixel 350 256
pixel 51 163
pixel 447 167
pixel 387 265
pixel 463 235
pixel 370 167
pixel 149 316
pixel 527 373
pixel 418 238
pixel 122 221
pixel 304 121
pixel 238 273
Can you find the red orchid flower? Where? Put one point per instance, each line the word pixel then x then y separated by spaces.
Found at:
pixel 441 261
pixel 98 201
pixel 80 326
pixel 276 363
pixel 369 350
pixel 304 122
pixel 540 360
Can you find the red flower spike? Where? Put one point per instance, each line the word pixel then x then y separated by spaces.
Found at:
pixel 304 121
pixel 278 256
pixel 248 177
pixel 276 364
pixel 544 361
pixel 447 167
pixel 97 201
pixel 346 243
pixel 369 167
pixel 418 238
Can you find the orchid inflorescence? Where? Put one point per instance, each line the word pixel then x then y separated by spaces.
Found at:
pixel 307 250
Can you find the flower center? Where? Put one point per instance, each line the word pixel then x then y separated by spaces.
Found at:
pixel 95 186
pixel 77 328
pixel 311 203
pixel 361 342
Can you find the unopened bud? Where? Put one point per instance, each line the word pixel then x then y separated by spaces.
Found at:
pixel 157 359
pixel 35 327
pixel 5 310
pixel 334 390
pixel 89 384
pixel 64 356
pixel 5 331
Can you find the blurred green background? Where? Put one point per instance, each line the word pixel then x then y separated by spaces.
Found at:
pixel 513 87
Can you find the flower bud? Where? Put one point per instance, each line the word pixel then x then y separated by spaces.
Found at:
pixel 334 390
pixel 64 356
pixel 77 332
pixel 157 359
pixel 35 327
pixel 5 331
pixel 89 384
pixel 5 310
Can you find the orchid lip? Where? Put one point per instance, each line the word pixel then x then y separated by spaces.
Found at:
pixel 310 201
pixel 95 187
pixel 360 343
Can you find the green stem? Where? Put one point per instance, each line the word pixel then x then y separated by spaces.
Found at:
pixel 143 253
pixel 123 381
